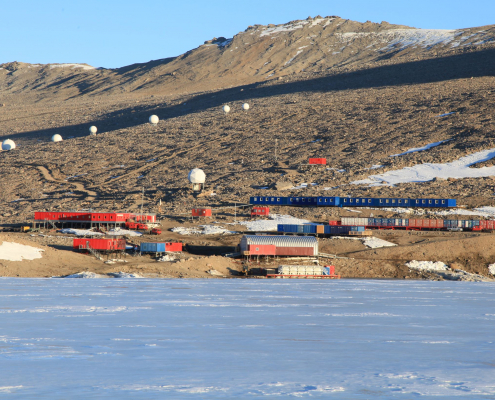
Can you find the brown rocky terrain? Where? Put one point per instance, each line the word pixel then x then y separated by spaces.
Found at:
pixel 323 87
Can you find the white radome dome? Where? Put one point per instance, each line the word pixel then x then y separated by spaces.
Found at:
pixel 154 120
pixel 226 109
pixel 245 106
pixel 93 130
pixel 56 138
pixel 8 144
pixel 197 176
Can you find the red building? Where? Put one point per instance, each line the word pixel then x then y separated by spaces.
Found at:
pixel 264 211
pixel 100 244
pixel 201 212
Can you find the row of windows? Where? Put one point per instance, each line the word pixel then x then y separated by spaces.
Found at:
pixel 353 200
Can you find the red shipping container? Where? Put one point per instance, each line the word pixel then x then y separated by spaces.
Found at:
pixel 144 217
pixel 99 244
pixel 262 249
pixel 173 246
pixel 331 269
pixel 260 211
pixel 201 212
pixel 318 161
pixel 294 251
pixel 333 223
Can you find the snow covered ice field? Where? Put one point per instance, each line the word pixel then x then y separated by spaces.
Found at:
pixel 246 339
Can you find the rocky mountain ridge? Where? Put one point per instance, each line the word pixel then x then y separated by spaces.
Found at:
pixel 317 46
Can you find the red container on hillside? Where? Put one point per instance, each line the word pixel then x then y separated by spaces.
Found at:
pixel 144 217
pixel 488 224
pixel 265 211
pixel 201 212
pixel 333 223
pixel 101 244
pixel 173 246
pixel 318 161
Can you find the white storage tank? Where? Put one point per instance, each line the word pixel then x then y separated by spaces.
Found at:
pixel 56 138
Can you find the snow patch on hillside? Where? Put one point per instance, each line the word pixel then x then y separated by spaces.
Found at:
pixel 262 225
pixel 427 265
pixel 202 230
pixel 79 232
pixel 374 243
pixel 425 38
pixel 17 252
pixel 72 66
pixel 291 26
pixel 428 171
pixel 414 150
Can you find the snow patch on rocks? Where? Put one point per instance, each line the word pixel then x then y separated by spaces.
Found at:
pixel 202 230
pixel 443 271
pixel 375 243
pixel 124 275
pixel 17 252
pixel 427 265
pixel 85 275
pixel 79 232
pixel 123 232
pixel 426 172
pixel 262 225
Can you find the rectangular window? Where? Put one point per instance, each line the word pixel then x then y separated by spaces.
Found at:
pixel 369 201
pixel 429 201
pixel 393 201
pixel 443 201
pixel 436 201
pixel 255 199
pixel 400 201
pixel 278 198
pixel 273 199
pixel 381 201
pixel 345 200
pixel 424 201
pixel 386 201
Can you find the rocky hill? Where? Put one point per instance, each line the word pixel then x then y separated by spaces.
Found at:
pixel 360 94
pixel 355 93
pixel 322 46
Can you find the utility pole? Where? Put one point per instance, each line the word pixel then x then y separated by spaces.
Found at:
pixel 142 201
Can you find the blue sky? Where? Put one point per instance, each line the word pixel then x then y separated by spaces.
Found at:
pixel 115 33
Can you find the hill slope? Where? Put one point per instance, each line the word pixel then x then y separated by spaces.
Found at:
pixel 316 45
pixel 361 95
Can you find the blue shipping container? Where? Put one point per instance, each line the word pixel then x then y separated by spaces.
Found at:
pixel 152 247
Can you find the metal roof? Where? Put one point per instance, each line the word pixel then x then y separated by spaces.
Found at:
pixel 280 241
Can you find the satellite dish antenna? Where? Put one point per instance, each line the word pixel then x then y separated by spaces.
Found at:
pixel 226 109
pixel 93 130
pixel 154 120
pixel 197 178
pixel 56 138
pixel 8 144
pixel 245 106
